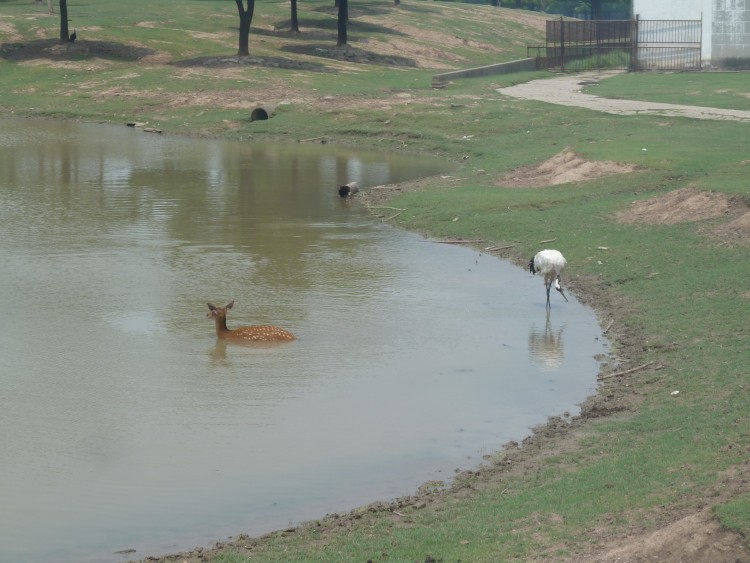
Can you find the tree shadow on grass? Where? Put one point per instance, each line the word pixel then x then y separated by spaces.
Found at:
pixel 380 9
pixel 235 61
pixel 53 49
pixel 330 26
pixel 350 54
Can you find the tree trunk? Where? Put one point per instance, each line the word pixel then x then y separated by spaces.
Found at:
pixel 64 35
pixel 295 23
pixel 246 18
pixel 343 17
pixel 596 9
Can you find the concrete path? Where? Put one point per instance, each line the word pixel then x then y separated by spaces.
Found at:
pixel 566 91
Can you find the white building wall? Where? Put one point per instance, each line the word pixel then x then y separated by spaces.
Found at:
pixel 730 29
pixel 707 33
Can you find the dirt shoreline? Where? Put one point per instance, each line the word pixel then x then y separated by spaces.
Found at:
pixel 691 533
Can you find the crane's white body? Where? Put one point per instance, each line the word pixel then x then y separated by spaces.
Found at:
pixel 550 264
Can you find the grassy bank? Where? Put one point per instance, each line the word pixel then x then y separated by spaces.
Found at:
pixel 656 445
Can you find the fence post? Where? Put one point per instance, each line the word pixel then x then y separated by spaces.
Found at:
pixel 562 44
pixel 634 43
pixel 700 45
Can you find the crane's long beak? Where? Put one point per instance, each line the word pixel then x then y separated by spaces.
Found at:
pixel 561 292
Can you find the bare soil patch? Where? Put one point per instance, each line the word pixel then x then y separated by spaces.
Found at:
pixel 687 204
pixel 734 232
pixel 9 31
pixel 698 538
pixel 563 168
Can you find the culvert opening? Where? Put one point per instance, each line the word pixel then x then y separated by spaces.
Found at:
pixel 259 114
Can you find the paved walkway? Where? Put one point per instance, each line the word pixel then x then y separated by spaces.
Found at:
pixel 566 91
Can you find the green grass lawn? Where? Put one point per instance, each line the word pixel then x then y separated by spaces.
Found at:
pixel 728 90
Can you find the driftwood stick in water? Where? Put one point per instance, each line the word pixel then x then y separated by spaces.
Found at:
pixel 627 371
pixel 394 215
pixel 496 248
pixel 457 241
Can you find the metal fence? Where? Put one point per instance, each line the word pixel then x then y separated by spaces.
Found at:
pixel 668 44
pixel 629 44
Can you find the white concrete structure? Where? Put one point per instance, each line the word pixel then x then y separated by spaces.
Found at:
pixel 726 24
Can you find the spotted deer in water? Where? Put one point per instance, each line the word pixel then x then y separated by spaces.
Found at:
pixel 257 333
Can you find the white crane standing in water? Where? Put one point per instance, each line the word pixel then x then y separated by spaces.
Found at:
pixel 549 263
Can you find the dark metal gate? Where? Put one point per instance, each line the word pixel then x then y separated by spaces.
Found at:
pixel 620 44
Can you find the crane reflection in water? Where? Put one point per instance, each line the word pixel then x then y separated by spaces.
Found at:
pixel 546 346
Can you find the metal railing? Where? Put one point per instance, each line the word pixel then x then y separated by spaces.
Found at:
pixel 629 44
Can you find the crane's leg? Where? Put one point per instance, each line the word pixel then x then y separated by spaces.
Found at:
pixel 548 285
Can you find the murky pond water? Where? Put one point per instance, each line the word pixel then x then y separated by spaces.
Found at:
pixel 126 425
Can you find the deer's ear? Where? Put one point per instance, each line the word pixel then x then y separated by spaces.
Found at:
pixel 230 305
pixel 212 307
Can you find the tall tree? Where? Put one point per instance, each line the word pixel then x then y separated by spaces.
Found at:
pixel 64 34
pixel 343 17
pixel 596 9
pixel 246 18
pixel 295 23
